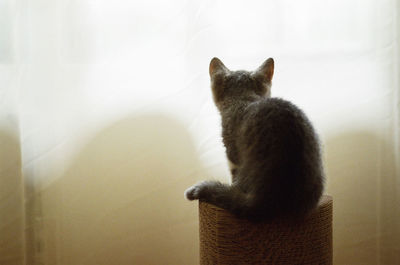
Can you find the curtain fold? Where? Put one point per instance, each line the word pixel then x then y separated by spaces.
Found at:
pixel 12 216
pixel 106 116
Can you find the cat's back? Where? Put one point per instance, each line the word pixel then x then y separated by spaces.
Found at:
pixel 275 125
pixel 276 114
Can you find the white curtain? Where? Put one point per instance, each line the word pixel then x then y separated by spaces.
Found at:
pixel 105 108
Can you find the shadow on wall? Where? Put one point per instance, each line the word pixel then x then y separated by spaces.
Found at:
pixel 121 201
pixel 11 200
pixel 360 169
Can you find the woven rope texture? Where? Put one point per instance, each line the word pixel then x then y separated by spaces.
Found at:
pixel 227 240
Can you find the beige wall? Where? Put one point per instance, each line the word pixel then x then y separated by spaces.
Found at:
pixel 121 199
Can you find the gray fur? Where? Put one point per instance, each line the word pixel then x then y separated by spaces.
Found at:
pixel 275 150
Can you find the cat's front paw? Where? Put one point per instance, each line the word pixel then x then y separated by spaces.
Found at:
pixel 192 193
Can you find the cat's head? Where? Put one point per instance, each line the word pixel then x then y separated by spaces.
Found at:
pixel 230 85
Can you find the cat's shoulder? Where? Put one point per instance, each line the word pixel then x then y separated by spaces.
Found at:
pixel 279 109
pixel 276 101
pixel 278 104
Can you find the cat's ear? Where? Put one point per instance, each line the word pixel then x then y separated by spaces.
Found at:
pixel 266 71
pixel 217 66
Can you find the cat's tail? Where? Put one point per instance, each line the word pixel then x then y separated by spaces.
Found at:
pixel 245 206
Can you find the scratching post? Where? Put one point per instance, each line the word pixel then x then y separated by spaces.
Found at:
pixel 227 240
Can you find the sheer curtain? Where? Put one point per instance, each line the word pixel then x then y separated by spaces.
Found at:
pixel 106 116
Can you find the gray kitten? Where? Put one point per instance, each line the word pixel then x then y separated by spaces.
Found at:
pixel 272 148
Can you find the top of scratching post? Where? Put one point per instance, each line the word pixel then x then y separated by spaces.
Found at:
pixel 225 239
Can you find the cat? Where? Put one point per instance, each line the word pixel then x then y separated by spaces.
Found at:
pixel 272 148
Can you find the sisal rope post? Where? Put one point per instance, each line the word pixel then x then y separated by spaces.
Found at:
pixel 227 240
